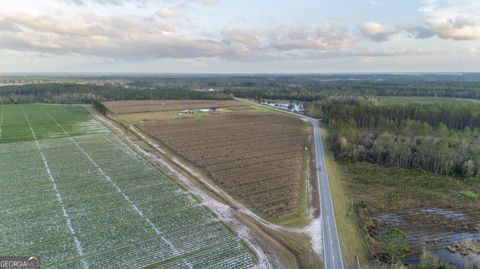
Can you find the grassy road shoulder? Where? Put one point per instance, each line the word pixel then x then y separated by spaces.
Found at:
pixel 351 240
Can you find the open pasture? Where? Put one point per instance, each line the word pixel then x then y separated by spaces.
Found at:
pixel 74 194
pixel 256 156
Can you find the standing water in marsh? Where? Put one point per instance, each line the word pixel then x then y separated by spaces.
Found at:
pixel 452 236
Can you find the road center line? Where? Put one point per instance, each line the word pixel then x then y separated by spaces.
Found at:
pixel 332 245
pixel 59 198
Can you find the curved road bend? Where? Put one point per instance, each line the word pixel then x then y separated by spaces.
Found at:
pixel 331 247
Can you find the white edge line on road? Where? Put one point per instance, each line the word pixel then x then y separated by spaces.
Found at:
pixel 314 125
pixel 326 228
pixel 321 213
pixel 330 196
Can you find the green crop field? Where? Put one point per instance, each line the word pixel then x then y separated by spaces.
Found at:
pixel 74 194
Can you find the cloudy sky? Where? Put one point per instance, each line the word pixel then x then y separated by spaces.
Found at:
pixel 247 36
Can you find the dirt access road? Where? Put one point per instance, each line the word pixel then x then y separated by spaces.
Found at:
pixel 304 255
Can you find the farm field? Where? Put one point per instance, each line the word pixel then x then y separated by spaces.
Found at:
pixel 256 155
pixel 151 110
pixel 141 106
pixel 80 198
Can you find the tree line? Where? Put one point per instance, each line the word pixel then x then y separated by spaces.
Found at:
pixel 440 138
pixel 454 116
pixel 84 93
pixel 293 87
pixel 314 90
pixel 101 108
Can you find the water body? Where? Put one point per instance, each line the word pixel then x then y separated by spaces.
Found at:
pixel 293 107
pixel 436 241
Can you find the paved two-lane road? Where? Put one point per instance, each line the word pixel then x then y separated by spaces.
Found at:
pixel 331 246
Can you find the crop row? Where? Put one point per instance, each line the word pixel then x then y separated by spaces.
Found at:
pixel 258 157
pixel 75 119
pixel 94 175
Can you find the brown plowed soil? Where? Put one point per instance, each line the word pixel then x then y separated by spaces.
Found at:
pixel 256 156
pixel 136 106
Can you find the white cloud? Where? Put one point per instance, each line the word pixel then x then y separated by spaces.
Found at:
pixel 142 33
pixel 327 37
pixel 455 20
pixel 102 2
pixel 375 31
pixel 166 13
pixel 201 2
pixel 136 37
pixel 457 28
pixel 207 2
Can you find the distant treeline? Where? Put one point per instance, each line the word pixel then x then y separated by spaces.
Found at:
pixel 288 87
pixel 319 90
pixel 101 108
pixel 454 116
pixel 79 93
pixel 440 138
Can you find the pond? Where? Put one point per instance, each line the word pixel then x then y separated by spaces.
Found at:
pixel 290 106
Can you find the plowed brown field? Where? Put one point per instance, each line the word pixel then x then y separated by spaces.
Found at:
pixel 136 106
pixel 256 156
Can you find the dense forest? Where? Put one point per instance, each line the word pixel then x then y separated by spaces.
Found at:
pixel 85 93
pixel 285 87
pixel 454 116
pixel 319 90
pixel 440 138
